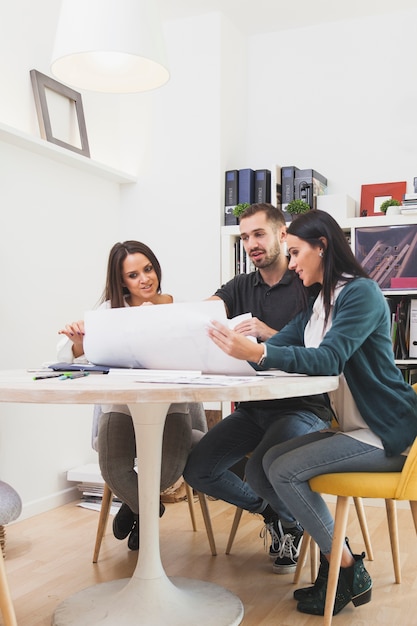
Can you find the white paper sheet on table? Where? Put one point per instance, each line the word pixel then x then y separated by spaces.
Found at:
pixel 167 336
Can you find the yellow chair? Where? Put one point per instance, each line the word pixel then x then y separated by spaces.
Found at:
pixel 390 486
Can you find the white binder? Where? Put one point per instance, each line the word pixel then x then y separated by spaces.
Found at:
pixel 412 352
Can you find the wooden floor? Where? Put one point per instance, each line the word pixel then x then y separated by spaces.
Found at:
pixel 49 557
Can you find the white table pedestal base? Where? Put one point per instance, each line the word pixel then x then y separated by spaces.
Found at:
pixel 161 602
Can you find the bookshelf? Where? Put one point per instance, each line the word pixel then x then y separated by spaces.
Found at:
pixel 377 226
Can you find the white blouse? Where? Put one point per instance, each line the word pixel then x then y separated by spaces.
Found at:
pixel 350 421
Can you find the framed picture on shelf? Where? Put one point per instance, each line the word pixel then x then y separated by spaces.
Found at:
pixel 60 113
pixel 372 196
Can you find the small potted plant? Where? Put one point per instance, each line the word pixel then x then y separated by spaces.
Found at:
pixel 240 208
pixel 296 207
pixel 392 202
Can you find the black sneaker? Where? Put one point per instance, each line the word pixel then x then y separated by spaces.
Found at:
pixel 286 561
pixel 274 528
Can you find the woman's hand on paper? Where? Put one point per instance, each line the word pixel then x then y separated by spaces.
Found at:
pixel 234 343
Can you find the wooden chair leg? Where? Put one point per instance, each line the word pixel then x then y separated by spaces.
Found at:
pixel 413 507
pixel 6 603
pixel 207 521
pixel 102 522
pixel 233 530
pixel 360 511
pixel 339 534
pixel 393 537
pixel 305 544
pixel 190 500
pixel 314 567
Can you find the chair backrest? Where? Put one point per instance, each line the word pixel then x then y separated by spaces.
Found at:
pixel 407 487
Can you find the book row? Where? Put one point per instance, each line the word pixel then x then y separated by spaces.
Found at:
pixel 403 326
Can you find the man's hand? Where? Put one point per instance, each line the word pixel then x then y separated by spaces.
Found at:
pixel 253 327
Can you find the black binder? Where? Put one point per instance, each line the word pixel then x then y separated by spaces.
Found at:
pixel 231 188
pixel 246 186
pixel 287 184
pixel 263 186
pixel 231 191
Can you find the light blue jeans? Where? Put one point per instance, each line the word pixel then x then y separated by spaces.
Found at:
pixel 290 465
pixel 250 428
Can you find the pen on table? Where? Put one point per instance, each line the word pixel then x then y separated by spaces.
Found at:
pixel 66 375
pixel 61 375
pixel 47 375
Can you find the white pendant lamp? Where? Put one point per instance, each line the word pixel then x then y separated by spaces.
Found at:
pixel 111 46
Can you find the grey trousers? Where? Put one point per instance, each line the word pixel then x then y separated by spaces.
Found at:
pixel 117 449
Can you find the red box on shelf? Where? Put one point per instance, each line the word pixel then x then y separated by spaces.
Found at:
pixel 404 282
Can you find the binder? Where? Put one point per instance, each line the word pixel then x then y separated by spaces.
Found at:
pixel 287 184
pixel 263 186
pixel 246 186
pixel 412 352
pixel 231 190
pixel 308 184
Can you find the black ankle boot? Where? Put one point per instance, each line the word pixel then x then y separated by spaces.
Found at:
pixel 123 522
pixel 354 585
pixel 321 581
pixel 133 541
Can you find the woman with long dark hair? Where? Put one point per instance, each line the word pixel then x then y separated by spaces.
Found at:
pixel 346 332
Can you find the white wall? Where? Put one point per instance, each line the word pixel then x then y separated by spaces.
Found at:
pixel 57 224
pixel 340 98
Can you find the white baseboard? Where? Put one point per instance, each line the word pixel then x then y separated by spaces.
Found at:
pixel 48 503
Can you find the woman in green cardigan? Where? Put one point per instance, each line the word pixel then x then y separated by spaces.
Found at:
pixel 345 332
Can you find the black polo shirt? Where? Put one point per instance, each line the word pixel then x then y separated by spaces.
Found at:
pixel 275 306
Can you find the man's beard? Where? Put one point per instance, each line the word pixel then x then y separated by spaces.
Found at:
pixel 269 258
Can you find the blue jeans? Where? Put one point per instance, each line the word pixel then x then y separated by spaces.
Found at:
pixel 250 428
pixel 290 465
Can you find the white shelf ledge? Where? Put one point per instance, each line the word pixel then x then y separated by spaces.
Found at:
pixel 56 153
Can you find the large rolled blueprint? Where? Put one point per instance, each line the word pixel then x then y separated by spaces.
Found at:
pixel 167 336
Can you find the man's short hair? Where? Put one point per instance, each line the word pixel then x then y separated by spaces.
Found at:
pixel 273 214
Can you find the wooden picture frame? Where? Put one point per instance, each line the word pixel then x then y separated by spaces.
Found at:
pixel 76 129
pixel 372 196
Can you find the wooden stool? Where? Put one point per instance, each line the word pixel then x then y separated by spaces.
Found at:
pixel 10 509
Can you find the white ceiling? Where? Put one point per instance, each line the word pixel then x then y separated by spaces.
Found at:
pixel 258 16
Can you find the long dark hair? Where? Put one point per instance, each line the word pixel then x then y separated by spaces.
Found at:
pixel 338 258
pixel 114 290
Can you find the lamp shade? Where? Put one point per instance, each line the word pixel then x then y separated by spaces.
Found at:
pixel 112 46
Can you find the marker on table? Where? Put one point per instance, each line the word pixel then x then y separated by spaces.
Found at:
pixel 61 375
pixel 47 375
pixel 66 375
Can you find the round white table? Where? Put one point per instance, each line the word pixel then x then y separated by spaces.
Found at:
pixel 150 597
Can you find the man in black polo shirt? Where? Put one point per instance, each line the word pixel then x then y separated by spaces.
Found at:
pixel 273 295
